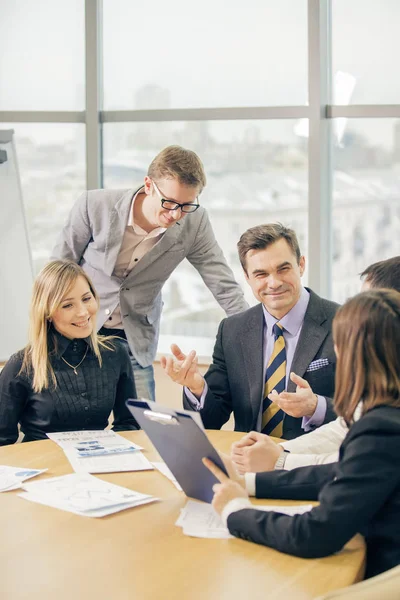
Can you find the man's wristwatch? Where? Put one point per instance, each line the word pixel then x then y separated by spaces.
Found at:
pixel 280 463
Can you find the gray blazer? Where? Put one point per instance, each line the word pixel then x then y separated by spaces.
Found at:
pixel 93 236
pixel 235 377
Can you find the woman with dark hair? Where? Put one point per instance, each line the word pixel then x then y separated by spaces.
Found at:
pixel 67 377
pixel 361 492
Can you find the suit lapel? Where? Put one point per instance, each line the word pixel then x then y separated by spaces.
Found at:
pixel 251 341
pixel 311 338
pixel 118 220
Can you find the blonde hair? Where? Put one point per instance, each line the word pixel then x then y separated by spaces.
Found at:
pixel 366 331
pixel 50 287
pixel 178 163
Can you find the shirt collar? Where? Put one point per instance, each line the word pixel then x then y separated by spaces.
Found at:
pixel 59 344
pixel 293 320
pixel 138 230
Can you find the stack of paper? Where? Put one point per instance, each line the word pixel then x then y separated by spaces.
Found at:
pixel 199 519
pixel 84 495
pixel 100 452
pixel 11 478
pixel 162 467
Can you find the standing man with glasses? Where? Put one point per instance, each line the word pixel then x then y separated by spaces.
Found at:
pixel 130 241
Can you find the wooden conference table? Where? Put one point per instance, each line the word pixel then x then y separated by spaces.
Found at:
pixel 139 554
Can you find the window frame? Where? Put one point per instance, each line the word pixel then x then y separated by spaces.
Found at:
pixel 319 113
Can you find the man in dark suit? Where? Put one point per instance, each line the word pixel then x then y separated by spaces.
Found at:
pixel 237 378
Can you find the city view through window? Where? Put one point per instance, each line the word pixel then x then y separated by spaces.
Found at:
pixel 252 178
pixel 257 170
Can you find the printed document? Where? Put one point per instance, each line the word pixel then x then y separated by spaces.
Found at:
pixel 101 451
pixel 118 463
pixel 199 519
pixel 11 478
pixel 83 495
pixel 102 438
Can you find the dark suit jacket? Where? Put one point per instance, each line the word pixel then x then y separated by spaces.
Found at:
pixel 235 377
pixel 359 494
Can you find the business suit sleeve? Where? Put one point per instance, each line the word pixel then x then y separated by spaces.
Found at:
pixel 126 388
pixel 218 402
pixel 14 393
pixel 330 414
pixel 76 233
pixel 366 476
pixel 304 483
pixel 208 259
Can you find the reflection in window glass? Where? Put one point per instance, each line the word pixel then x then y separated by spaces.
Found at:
pixel 365 51
pixel 366 200
pixel 256 173
pixel 42 55
pixel 164 55
pixel 51 161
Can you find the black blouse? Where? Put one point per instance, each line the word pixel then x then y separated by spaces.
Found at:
pixel 80 401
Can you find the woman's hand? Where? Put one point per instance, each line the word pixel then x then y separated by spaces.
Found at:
pixel 226 490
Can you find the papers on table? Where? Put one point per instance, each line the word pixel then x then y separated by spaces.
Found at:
pixel 84 495
pixel 198 519
pixel 105 440
pixel 11 478
pixel 108 464
pixel 162 467
pixel 100 452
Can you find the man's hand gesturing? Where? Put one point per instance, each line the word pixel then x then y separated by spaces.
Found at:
pixel 183 369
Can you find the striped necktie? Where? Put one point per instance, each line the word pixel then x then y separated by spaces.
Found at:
pixel 275 378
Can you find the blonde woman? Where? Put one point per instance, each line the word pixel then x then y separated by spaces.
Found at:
pixel 67 377
pixel 361 492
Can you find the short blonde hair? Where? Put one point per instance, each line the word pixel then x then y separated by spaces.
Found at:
pixel 175 162
pixel 50 287
pixel 366 331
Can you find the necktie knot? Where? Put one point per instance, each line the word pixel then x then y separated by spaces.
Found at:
pixel 277 330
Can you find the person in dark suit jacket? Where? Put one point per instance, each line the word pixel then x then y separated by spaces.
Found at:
pixel 273 265
pixel 360 493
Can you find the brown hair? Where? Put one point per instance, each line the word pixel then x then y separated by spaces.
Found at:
pixel 175 162
pixel 366 331
pixel 384 274
pixel 49 288
pixel 262 236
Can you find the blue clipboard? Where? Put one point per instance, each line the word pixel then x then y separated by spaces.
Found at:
pixel 182 444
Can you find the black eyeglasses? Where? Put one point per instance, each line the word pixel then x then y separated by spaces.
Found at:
pixel 187 207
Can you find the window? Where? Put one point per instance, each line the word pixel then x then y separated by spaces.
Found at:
pixel 162 55
pixel 42 58
pixel 231 82
pixel 366 199
pixel 365 50
pixel 256 173
pixel 51 160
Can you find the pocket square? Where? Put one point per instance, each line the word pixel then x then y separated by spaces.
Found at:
pixel 318 364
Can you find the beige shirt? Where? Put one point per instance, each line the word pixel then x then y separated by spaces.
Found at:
pixel 135 244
